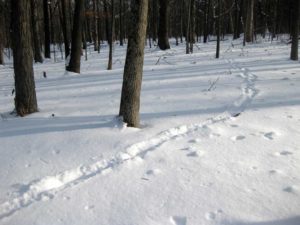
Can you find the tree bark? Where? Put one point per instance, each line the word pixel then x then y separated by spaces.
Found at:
pixel 35 33
pixel 25 100
pixel 218 29
pixel 74 65
pixel 133 70
pixel 295 29
pixel 46 29
pixel 111 35
pixel 65 27
pixel 249 21
pixel 163 32
pixel 1 32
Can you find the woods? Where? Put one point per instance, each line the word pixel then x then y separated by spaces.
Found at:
pixel 71 27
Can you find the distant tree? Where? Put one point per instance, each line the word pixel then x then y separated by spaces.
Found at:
pixel 249 21
pixel 46 29
pixel 218 28
pixel 295 29
pixel 74 65
pixel 111 34
pixel 65 26
pixel 25 100
pixel 1 32
pixel 163 28
pixel 95 30
pixel 133 70
pixel 35 33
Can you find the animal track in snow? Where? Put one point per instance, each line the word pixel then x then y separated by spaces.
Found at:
pixel 178 220
pixel 290 189
pixel 269 135
pixel 283 153
pixel 192 154
pixel 238 138
pixel 210 216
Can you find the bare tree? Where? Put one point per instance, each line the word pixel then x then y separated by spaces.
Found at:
pixel 35 33
pixel 163 28
pixel 295 29
pixel 74 65
pixel 133 70
pixel 46 29
pixel 25 100
pixel 249 21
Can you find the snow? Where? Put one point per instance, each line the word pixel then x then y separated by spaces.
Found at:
pixel 219 142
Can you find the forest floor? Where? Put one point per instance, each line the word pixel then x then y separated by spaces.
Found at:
pixel 219 142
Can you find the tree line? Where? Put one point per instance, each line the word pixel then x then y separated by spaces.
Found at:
pixel 39 29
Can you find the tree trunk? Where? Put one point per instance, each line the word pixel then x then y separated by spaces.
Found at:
pixel 121 22
pixel 25 100
pixel 95 30
pixel 163 33
pixel 35 33
pixel 111 35
pixel 133 70
pixel 74 65
pixel 218 29
pixel 295 29
pixel 46 29
pixel 1 32
pixel 65 27
pixel 249 21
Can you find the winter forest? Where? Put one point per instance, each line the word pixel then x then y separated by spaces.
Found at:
pixel 149 112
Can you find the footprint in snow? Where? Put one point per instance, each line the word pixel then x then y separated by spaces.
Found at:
pixel 178 220
pixel 269 135
pixel 153 172
pixel 290 189
pixel 238 138
pixel 192 154
pixel 210 216
pixel 197 140
pixel 283 153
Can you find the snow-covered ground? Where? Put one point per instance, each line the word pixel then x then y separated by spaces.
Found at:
pixel 219 143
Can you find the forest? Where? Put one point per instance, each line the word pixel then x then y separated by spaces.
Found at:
pixel 149 112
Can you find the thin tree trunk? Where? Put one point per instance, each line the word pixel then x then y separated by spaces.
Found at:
pixel 95 30
pixel 46 29
pixel 1 32
pixel 218 29
pixel 35 33
pixel 133 70
pixel 25 100
pixel 65 26
pixel 111 36
pixel 295 29
pixel 74 65
pixel 121 22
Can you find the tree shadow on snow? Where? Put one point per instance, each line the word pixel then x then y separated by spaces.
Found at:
pixel 288 221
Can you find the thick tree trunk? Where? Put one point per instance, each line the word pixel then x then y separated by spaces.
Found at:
pixel 35 33
pixel 46 29
pixel 133 70
pixel 25 100
pixel 74 65
pixel 249 21
pixel 163 28
pixel 295 29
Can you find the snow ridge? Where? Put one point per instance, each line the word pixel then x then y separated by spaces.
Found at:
pixel 47 187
